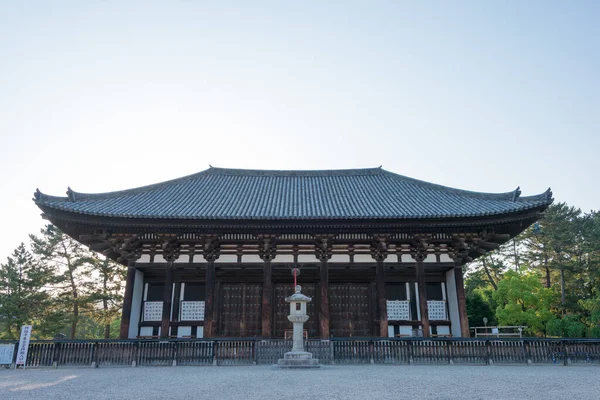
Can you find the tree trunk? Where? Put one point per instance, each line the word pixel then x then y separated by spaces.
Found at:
pixel 489 275
pixel 105 308
pixel 562 287
pixel 548 283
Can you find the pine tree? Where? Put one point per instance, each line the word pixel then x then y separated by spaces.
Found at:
pixel 24 294
pixel 72 288
pixel 108 286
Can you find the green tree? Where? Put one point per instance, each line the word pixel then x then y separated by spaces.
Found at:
pixel 522 300
pixel 24 296
pixel 108 287
pixel 72 288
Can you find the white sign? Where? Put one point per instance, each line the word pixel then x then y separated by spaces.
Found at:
pixel 436 310
pixel 398 310
pixel 192 311
pixel 153 310
pixel 7 352
pixel 23 345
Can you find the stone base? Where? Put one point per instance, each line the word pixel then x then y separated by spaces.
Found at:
pixel 298 359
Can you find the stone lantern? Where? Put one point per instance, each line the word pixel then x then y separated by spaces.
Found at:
pixel 298 358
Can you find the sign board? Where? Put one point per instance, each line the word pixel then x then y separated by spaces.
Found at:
pixel 192 311
pixel 7 352
pixel 153 310
pixel 436 310
pixel 398 310
pixel 23 345
pixel 495 331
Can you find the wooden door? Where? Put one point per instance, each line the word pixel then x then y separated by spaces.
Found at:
pixel 349 310
pixel 282 309
pixel 240 314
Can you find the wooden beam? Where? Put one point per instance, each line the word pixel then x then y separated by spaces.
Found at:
pixel 422 297
pixel 324 300
pixel 267 301
pixel 209 300
pixel 462 302
pixel 127 300
pixel 168 292
pixel 381 301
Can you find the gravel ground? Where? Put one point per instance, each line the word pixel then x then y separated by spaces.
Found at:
pixel 329 382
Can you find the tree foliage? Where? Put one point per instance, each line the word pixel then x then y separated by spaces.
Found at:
pixel 60 287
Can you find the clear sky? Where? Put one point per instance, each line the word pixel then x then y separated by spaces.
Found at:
pixel 481 95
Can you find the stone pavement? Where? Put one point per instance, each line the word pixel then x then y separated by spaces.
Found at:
pixel 329 382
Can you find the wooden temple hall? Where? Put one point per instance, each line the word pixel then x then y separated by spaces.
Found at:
pixel 211 254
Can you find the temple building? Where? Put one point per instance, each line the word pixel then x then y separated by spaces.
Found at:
pixel 210 254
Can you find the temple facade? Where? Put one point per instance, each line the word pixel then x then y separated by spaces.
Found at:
pixel 211 254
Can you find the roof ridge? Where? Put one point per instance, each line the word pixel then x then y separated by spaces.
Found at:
pixel 295 172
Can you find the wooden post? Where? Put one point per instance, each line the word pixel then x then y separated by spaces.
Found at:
pixel 211 252
pixel 462 302
pixel 127 300
pixel 381 301
pixel 167 293
pixel 324 300
pixel 209 300
pixel 422 297
pixel 267 300
pixel 323 253
pixel 267 250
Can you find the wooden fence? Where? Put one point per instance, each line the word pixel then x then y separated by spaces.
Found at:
pixel 171 352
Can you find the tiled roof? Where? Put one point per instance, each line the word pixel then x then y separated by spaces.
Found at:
pixel 234 194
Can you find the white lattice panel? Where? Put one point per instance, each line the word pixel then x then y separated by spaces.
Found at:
pixel 192 311
pixel 398 310
pixel 437 310
pixel 153 310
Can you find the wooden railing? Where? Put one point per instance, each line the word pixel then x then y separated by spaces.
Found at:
pixel 150 352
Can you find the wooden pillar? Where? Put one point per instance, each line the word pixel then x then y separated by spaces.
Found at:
pixel 462 302
pixel 209 300
pixel 422 295
pixel 267 300
pixel 381 300
pixel 324 299
pixel 127 300
pixel 167 295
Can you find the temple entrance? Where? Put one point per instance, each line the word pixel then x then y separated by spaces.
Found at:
pixel 240 311
pixel 349 309
pixel 282 309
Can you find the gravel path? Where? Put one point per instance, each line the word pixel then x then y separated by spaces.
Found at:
pixel 330 382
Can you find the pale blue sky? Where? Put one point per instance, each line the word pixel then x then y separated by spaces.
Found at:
pixel 482 95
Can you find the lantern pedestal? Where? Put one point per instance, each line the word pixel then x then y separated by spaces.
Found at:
pixel 298 358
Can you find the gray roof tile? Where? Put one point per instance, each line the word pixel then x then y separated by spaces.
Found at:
pixel 219 193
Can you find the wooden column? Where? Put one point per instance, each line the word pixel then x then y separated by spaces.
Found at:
pixel 324 300
pixel 267 300
pixel 267 249
pixel 462 302
pixel 381 300
pixel 211 252
pixel 167 294
pixel 209 300
pixel 127 300
pixel 379 252
pixel 323 253
pixel 422 294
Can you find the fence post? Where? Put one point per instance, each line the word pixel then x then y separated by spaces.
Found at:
pixel 566 356
pixel 255 352
pixel 527 345
pixel 55 354
pixel 175 348
pixel 410 352
pixel 449 349
pixel 215 353
pixel 93 355
pixel 135 354
pixel 332 349
pixel 488 350
pixel 371 348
